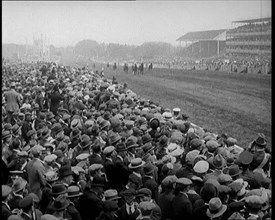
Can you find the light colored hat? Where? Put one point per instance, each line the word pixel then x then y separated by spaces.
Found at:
pixel 176 109
pixel 201 166
pixel 184 181
pixel 95 166
pixel 136 162
pixel 191 155
pixel 51 176
pixel 108 149
pixel 111 194
pixel 50 158
pixel 174 150
pixel 82 156
pixel 167 115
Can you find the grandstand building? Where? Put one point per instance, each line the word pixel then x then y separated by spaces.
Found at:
pixel 203 44
pixel 250 37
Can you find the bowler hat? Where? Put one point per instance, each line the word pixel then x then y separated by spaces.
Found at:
pixel 58 188
pixel 208 191
pixel 65 170
pixel 154 123
pixel 215 208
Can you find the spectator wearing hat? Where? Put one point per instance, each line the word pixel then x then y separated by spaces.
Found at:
pixel 96 170
pixel 181 204
pixel 57 189
pixel 109 210
pixel 218 163
pixel 161 147
pixel 145 195
pixel 96 156
pixel 65 175
pixel 36 170
pixel 166 196
pixel 187 168
pixel 254 205
pixel 60 205
pixel 109 165
pixel 51 177
pixel 28 210
pixel 146 209
pixel 55 98
pixel 13 101
pixel 6 196
pixel 136 165
pixel 92 199
pixel 73 196
pixel 207 192
pixel 261 158
pixel 129 209
pixel 75 138
pixel 148 180
pixel 131 145
pixel 121 168
pixel 82 147
pixel 26 126
pixel 18 192
pixel 216 209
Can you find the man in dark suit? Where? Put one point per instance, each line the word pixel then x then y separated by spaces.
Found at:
pixel 90 203
pixel 96 156
pixel 148 179
pixel 5 209
pixel 181 205
pixel 128 210
pixel 109 165
pixel 166 196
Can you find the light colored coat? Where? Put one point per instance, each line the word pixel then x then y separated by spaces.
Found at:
pixel 12 100
pixel 36 170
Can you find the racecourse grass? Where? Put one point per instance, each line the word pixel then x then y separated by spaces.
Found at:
pixel 232 103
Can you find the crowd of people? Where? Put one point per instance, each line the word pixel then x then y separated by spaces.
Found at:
pixel 79 146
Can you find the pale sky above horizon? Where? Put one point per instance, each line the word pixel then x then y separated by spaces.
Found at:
pixel 125 22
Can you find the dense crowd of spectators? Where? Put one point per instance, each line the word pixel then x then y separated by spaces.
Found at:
pixel 79 146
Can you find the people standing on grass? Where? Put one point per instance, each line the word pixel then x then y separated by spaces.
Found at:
pixel 108 154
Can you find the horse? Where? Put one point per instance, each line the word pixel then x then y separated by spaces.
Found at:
pixel 150 67
pixel 140 68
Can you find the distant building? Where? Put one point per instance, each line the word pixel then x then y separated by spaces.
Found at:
pixel 202 44
pixel 251 37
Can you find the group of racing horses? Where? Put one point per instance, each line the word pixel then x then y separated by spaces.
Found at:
pixel 137 69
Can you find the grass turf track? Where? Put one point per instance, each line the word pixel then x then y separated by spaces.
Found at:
pixel 238 104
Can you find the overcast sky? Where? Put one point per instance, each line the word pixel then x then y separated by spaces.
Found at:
pixel 67 22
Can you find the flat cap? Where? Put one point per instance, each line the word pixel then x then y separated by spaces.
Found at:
pixel 144 192
pixel 169 180
pixel 108 149
pixel 37 149
pixel 184 181
pixel 50 158
pixel 82 156
pixel 95 166
pixel 146 207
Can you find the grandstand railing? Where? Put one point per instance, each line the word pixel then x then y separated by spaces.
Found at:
pixel 258 43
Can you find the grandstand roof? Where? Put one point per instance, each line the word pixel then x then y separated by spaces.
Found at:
pixel 201 35
pixel 253 20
